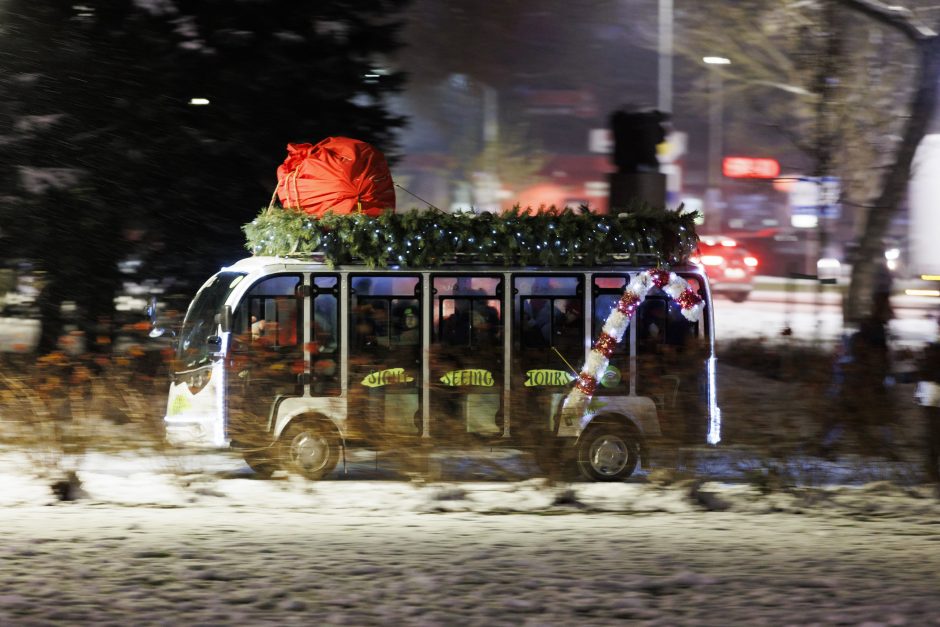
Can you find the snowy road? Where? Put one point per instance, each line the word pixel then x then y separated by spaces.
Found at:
pixel 168 544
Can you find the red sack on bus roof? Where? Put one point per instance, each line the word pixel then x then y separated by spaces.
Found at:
pixel 339 174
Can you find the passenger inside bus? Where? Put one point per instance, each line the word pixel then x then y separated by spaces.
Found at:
pixel 271 312
pixel 455 327
pixel 324 324
pixel 486 325
pixel 552 318
pixel 473 321
pixel 540 313
pixel 407 326
pixel 324 345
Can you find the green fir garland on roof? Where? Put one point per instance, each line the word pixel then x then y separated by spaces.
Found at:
pixel 551 237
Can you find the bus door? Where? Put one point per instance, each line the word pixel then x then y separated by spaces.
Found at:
pixel 466 355
pixel 385 352
pixel 267 356
pixel 548 346
pixel 671 358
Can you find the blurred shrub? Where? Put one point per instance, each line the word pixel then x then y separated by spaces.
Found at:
pixel 785 361
pixel 66 404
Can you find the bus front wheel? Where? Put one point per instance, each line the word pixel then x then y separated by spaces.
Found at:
pixel 608 452
pixel 309 449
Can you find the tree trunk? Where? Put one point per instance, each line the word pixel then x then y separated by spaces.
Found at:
pixel 869 257
pixel 50 315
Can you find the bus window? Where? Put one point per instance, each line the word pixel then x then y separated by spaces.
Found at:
pixel 269 313
pixel 467 311
pixel 607 290
pixel 616 282
pixel 550 317
pixel 382 309
pixel 201 320
pixel 658 319
pixel 661 327
pixel 324 332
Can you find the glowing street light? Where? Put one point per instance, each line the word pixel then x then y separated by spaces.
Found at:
pixel 198 102
pixel 716 60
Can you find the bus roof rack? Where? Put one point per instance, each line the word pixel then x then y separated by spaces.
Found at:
pixel 317 256
pixel 496 259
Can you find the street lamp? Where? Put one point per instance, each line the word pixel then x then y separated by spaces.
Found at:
pixel 664 79
pixel 713 202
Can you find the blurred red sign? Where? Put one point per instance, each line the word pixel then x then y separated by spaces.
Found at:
pixel 750 168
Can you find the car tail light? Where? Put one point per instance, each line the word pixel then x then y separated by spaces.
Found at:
pixel 750 262
pixel 712 260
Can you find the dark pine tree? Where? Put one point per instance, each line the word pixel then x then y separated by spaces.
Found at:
pixel 99 138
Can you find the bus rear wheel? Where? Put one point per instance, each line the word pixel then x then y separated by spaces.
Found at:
pixel 555 459
pixel 608 452
pixel 309 449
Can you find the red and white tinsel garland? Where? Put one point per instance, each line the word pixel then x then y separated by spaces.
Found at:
pixel 576 403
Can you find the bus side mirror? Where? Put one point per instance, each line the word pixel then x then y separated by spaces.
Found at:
pixel 214 342
pixel 152 310
pixel 155 329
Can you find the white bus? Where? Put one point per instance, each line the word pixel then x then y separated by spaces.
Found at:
pixel 292 361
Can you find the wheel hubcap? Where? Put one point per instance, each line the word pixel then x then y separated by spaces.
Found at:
pixel 309 451
pixel 609 455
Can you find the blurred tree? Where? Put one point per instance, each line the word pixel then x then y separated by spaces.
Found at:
pixel 541 41
pixel 849 93
pixel 101 142
pixel 514 49
pixel 512 155
pixel 863 300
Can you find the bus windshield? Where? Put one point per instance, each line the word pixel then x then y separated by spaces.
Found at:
pixel 201 318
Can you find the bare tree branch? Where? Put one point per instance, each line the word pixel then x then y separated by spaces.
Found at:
pixel 900 18
pixel 790 89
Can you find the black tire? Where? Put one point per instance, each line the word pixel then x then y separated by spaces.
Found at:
pixel 263 462
pixel 738 297
pixel 608 452
pixel 309 448
pixel 555 459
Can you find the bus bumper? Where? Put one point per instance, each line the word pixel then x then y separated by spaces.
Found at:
pixel 191 431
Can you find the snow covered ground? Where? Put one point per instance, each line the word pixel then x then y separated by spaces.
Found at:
pixel 162 539
pixel 767 312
